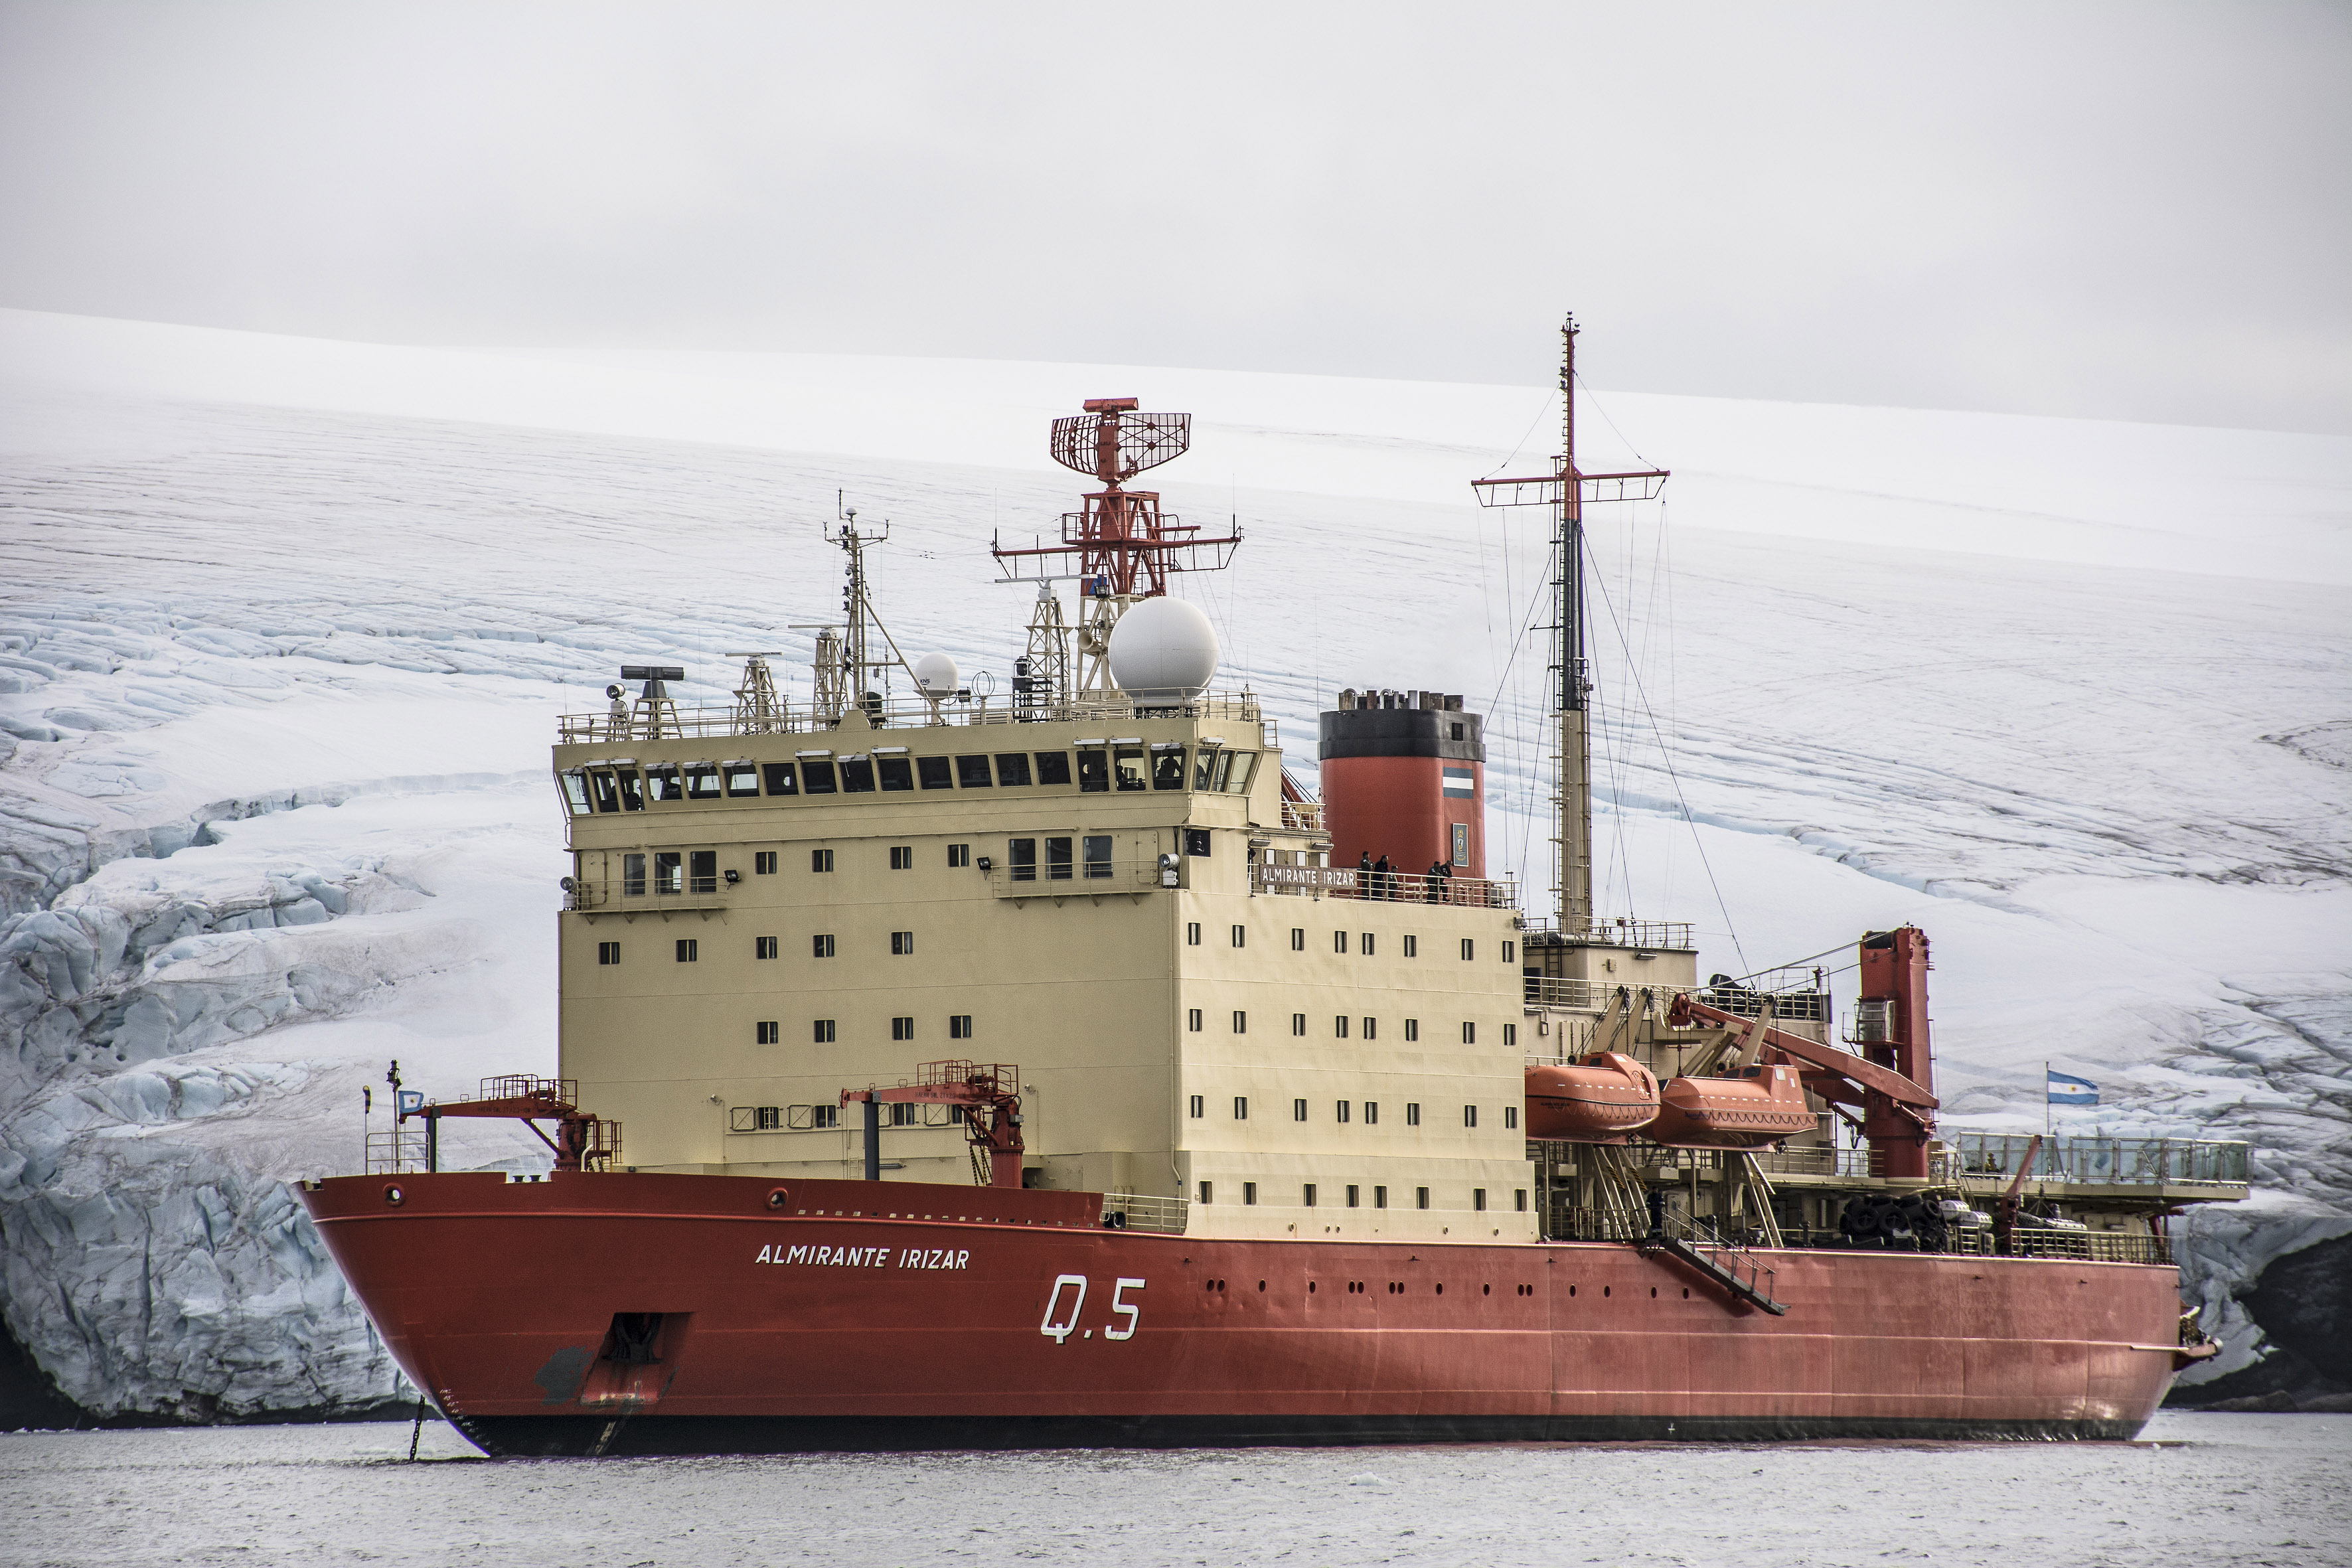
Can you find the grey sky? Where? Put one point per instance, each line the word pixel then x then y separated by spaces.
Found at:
pixel 2137 211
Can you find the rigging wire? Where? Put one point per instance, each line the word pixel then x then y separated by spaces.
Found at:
pixel 1666 755
pixel 1530 430
pixel 1590 397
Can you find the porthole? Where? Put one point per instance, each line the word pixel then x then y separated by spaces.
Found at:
pixel 394 1196
pixel 1604 1289
pixel 1261 1285
pixel 1685 1292
pixel 1311 1287
pixel 1653 1292
pixel 1571 1290
pixel 1485 1289
pixel 779 1198
pixel 1441 1290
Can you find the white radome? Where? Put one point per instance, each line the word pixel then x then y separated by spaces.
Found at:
pixel 1163 650
pixel 937 674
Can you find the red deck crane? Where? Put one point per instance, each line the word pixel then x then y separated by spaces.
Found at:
pixel 988 1093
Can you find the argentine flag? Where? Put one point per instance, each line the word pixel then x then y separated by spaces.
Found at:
pixel 2065 1090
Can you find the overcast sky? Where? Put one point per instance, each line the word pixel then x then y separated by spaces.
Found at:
pixel 2134 211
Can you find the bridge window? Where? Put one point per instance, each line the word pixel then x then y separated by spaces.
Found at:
pixel 1013 769
pixel 1128 768
pixel 858 775
pixel 1053 767
pixel 780 778
pixel 971 772
pixel 702 782
pixel 898 773
pixel 1094 772
pixel 935 773
pixel 816 777
pixel 1167 766
pixel 742 778
pixel 662 783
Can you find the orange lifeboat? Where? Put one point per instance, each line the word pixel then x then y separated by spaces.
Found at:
pixel 1598 1101
pixel 1763 1105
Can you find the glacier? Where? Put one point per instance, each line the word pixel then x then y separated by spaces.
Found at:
pixel 285 624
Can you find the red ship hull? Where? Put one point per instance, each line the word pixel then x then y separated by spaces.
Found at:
pixel 840 1320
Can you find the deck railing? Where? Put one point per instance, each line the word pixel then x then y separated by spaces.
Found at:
pixel 678 723
pixel 1163 1217
pixel 2103 1161
pixel 1620 932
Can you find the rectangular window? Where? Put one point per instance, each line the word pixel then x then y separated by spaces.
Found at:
pixel 1094 773
pixel 1207 1191
pixel 1249 1192
pixel 1353 1191
pixel 1371 1028
pixel 1413 947
pixel 1469 1116
pixel 959 1026
pixel 764 947
pixel 902 857
pixel 1510 1118
pixel 1339 1026
pixel 1240 1021
pixel 1380 1197
pixel 1013 769
pixel 1412 1114
pixel 1338 942
pixel 1298 1024
pixel 858 775
pixel 1307 1194
pixel 820 860
pixel 935 773
pixel 780 779
pixel 1235 778
pixel 971 772
pixel 742 778
pixel 1510 952
pixel 823 1116
pixel 689 950
pixel 662 784
pixel 608 952
pixel 1468 948
pixel 1057 860
pixel 702 872
pixel 1200 1107
pixel 632 793
pixel 1298 1111
pixel 1510 1033
pixel 1342 1112
pixel 1240 936
pixel 1197 842
pixel 763 863
pixel 816 776
pixel 821 946
pixel 1411 1029
pixel 669 873
pixel 1126 767
pixel 896 773
pixel 1420 1197
pixel 1367 947
pixel 1478 1199
pixel 771 1034
pixel 575 792
pixel 1167 766
pixel 765 1118
pixel 1241 1107
pixel 958 854
pixel 1098 847
pixel 1192 934
pixel 1298 938
pixel 633 876
pixel 1192 1020
pixel 905 1115
pixel 702 782
pixel 824 1031
pixel 1372 1113
pixel 902 943
pixel 1021 859
pixel 604 792
pixel 1519 1200
pixel 1053 767
pixel 1204 768
pixel 902 1028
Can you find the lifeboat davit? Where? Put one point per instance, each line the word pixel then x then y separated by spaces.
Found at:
pixel 1763 1105
pixel 1596 1100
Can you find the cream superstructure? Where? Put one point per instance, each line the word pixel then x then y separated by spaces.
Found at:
pixel 740 947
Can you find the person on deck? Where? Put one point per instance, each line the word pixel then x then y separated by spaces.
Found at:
pixel 1380 880
pixel 1364 876
pixel 1437 869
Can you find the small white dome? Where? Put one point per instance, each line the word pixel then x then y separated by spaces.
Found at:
pixel 937 674
pixel 1163 650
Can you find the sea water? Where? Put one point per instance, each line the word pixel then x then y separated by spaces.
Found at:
pixel 2198 1488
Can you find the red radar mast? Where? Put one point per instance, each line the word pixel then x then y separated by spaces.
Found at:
pixel 1122 547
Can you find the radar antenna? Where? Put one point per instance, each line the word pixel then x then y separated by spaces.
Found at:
pixel 1122 547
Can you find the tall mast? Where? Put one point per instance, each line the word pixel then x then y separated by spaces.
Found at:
pixel 1567 489
pixel 1575 840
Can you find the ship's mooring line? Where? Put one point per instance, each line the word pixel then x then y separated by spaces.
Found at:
pixel 1667 754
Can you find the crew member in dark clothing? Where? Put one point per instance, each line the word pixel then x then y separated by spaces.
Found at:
pixel 1380 880
pixel 1437 869
pixel 1364 877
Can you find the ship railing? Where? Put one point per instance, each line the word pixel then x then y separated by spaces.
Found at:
pixel 677 723
pixel 1141 1211
pixel 397 1153
pixel 1591 996
pixel 1619 931
pixel 1421 888
pixel 1299 816
pixel 1994 1158
pixel 1078 878
pixel 612 895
